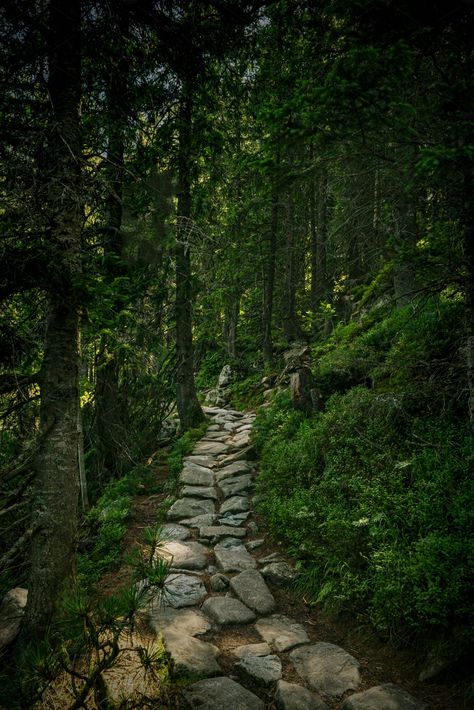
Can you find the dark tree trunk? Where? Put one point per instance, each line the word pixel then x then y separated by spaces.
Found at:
pixel 189 409
pixel 318 208
pixel 269 283
pixel 110 409
pixel 291 326
pixel 231 321
pixel 57 478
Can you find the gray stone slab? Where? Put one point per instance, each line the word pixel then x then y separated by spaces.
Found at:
pixel 233 469
pixel 174 531
pixel 199 520
pixel 236 504
pixel 209 447
pixel 215 532
pixel 254 544
pixel 233 559
pixel 183 621
pixel 199 492
pixel 240 440
pixel 226 611
pixel 184 555
pixel 215 436
pixel 184 590
pixel 252 649
pixel 250 588
pixel 190 507
pixel 262 670
pixel 195 475
pixel 201 460
pixel 219 693
pixel 326 668
pixel 191 656
pixel 281 632
pixel 290 696
pixel 278 573
pixel 234 519
pixel 233 486
pixel 241 455
pixel 387 696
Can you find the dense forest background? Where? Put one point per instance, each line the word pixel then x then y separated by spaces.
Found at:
pixel 186 185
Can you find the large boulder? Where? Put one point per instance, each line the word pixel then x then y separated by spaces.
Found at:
pixel 225 377
pixel 12 609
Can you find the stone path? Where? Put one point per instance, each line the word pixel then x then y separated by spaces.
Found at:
pixel 220 595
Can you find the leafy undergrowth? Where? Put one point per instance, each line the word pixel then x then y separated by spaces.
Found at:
pixel 374 495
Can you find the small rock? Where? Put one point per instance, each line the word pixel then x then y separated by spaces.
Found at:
pixel 326 668
pixel 254 544
pixel 218 693
pixel 184 621
pixel 278 573
pixel 236 504
pixel 252 649
pixel 387 696
pixel 281 632
pixel 290 696
pixel 252 528
pixel 184 555
pixel 236 520
pixel 250 588
pixel 233 559
pixel 274 557
pixel 215 532
pixel 230 542
pixel 263 670
pixel 190 507
pixel 218 582
pixel 173 531
pixel 226 611
pixel 199 521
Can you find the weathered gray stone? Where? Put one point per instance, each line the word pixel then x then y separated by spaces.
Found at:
pixel 273 557
pixel 215 436
pixel 219 582
pixel 184 590
pixel 209 447
pixel 281 632
pixel 241 455
pixel 225 376
pixel 387 696
pixel 263 670
pixel 278 573
pixel 226 611
pixel 12 609
pixel 195 475
pixel 213 427
pixel 252 528
pixel 236 519
pixel 252 649
pixel 174 531
pixel 240 440
pixel 199 520
pixel 233 559
pixel 230 541
pixel 190 507
pixel 326 668
pixel 219 693
pixel 236 504
pixel 183 621
pixel 233 469
pixel 201 460
pixel 254 544
pixel 190 655
pixel 250 588
pixel 230 426
pixel 217 531
pixel 290 696
pixel 199 492
pixel 184 555
pixel 233 486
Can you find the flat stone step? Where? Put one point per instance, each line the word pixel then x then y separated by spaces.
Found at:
pixel 241 455
pixel 184 555
pixel 199 520
pixel 190 507
pixel 233 559
pixel 210 447
pixel 387 696
pixel 194 474
pixel 215 532
pixel 190 655
pixel 184 621
pixel 219 693
pixel 226 611
pixel 234 520
pixel 234 486
pixel 233 469
pixel 235 504
pixel 261 670
pixel 327 668
pixel 199 492
pixel 184 590
pixel 252 649
pixel 250 588
pixel 206 461
pixel 290 696
pixel 281 632
pixel 174 531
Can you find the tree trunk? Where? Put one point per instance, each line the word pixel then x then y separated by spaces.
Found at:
pixel 291 326
pixel 318 209
pixel 189 409
pixel 269 283
pixel 57 477
pixel 231 321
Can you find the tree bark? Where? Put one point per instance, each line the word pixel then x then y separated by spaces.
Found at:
pixel 318 209
pixel 269 283
pixel 189 409
pixel 57 475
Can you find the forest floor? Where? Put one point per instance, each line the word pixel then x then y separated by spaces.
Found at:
pixel 380 661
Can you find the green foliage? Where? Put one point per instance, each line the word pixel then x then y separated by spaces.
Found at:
pixel 246 393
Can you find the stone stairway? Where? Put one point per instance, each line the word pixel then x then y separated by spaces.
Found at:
pixel 220 603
